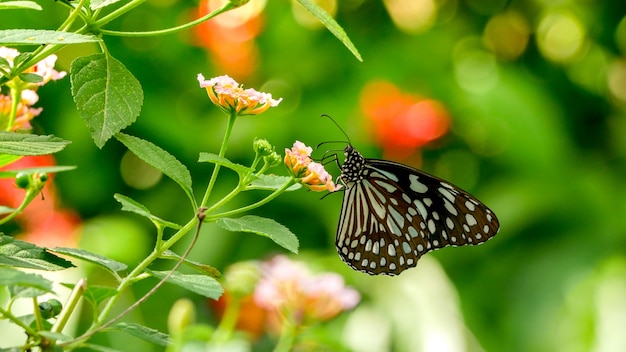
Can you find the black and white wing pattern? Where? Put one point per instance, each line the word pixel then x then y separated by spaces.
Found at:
pixel 392 214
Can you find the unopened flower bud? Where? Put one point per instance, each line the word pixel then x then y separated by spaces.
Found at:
pixel 182 314
pixel 263 147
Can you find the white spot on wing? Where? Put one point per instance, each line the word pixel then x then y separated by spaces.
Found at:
pixel 416 185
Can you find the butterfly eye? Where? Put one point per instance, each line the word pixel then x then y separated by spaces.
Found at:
pixel 392 214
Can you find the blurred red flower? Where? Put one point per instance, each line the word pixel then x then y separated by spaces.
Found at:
pixel 43 222
pixel 402 122
pixel 229 37
pixel 251 318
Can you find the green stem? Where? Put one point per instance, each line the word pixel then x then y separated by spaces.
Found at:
pixel 117 13
pixel 17 321
pixel 70 306
pixel 228 6
pixel 31 193
pixel 287 337
pixel 229 129
pixel 263 201
pixel 99 324
pixel 229 320
pixel 16 97
pixel 37 314
pixel 72 17
pixel 128 280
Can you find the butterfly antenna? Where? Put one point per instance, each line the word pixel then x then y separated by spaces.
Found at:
pixel 338 126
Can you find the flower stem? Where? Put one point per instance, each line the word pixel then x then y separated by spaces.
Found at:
pixel 228 6
pixel 229 320
pixel 17 321
pixel 287 337
pixel 128 280
pixel 229 129
pixel 263 201
pixel 16 96
pixel 70 305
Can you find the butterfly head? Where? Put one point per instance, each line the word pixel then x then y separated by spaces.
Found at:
pixel 352 166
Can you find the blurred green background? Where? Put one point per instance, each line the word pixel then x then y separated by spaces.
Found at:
pixel 536 94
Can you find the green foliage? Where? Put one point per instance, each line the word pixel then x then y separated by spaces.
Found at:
pixel 144 333
pixel 137 208
pixel 107 95
pixel 216 159
pixel 159 159
pixel 30 36
pixel 13 277
pixel 264 227
pixel 20 254
pixel 201 284
pixel 28 144
pixel 8 5
pixel 94 258
pixel 331 25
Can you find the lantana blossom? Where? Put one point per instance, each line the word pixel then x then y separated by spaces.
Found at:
pixel 288 289
pixel 28 95
pixel 312 175
pixel 24 114
pixel 44 68
pixel 230 96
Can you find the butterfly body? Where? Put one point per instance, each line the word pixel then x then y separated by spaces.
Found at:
pixel 392 214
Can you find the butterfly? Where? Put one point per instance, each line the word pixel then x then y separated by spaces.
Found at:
pixel 392 214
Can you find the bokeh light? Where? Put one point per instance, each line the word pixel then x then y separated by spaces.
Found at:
pixel 412 16
pixel 506 34
pixel 561 36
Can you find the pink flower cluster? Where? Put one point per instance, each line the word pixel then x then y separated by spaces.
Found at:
pixel 313 175
pixel 28 95
pixel 230 96
pixel 289 288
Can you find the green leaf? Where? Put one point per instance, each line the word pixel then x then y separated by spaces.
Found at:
pixel 97 348
pixel 13 277
pixel 9 5
pixel 35 170
pixel 159 159
pixel 144 333
pixel 42 36
pixel 55 336
pixel 271 183
pixel 95 294
pixel 25 292
pixel 331 25
pixel 98 4
pixel 6 159
pixel 133 206
pixel 264 227
pixel 201 284
pixel 107 263
pixel 30 144
pixel 31 77
pixel 26 255
pixel 6 210
pixel 107 95
pixel 216 159
pixel 202 268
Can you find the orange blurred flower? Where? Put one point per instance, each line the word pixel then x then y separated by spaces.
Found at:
pixel 251 318
pixel 230 36
pixel 43 222
pixel 402 122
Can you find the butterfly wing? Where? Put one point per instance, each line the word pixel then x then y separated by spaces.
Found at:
pixel 394 214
